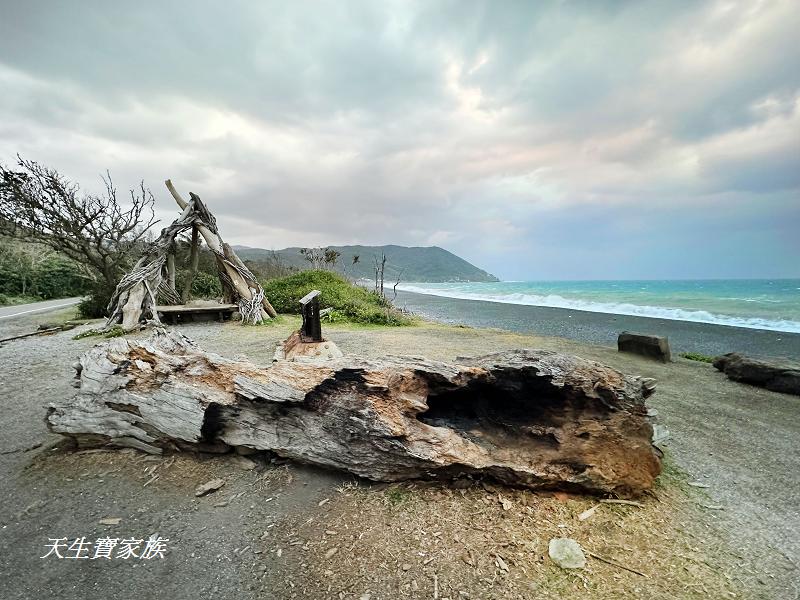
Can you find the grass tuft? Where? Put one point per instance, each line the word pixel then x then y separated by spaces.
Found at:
pixel 697 356
pixel 398 495
pixel 116 331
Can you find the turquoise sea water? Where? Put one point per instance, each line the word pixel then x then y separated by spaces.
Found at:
pixel 754 303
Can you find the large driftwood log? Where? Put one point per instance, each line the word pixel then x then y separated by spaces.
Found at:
pixel 776 374
pixel 532 418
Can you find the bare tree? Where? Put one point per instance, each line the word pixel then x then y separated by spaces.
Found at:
pixel 97 232
pixel 397 282
pixel 380 270
pixel 331 256
pixel 354 262
pixel 313 255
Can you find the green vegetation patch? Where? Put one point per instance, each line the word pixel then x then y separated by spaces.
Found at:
pixel 398 495
pixel 349 302
pixel 697 356
pixel 115 331
pixel 12 300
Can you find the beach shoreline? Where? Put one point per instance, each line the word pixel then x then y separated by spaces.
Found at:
pixel 600 328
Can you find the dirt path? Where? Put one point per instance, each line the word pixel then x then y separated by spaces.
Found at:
pixel 263 534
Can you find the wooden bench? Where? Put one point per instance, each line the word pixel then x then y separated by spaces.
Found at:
pixel 180 312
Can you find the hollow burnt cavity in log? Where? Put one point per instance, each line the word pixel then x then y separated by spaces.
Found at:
pixel 491 415
pixel 530 418
pixel 212 424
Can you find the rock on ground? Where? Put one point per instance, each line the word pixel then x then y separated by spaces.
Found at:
pixel 775 374
pixel 566 553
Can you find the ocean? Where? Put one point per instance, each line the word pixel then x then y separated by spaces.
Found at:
pixel 767 304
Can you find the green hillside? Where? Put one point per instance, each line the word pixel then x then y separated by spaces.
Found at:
pixel 416 263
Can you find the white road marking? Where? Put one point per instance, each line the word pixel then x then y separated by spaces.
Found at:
pixel 33 310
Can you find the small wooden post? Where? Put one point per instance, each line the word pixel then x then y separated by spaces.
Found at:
pixel 311 330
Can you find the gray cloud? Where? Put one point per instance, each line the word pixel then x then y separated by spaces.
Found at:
pixel 535 139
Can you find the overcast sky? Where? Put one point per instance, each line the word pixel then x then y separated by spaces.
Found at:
pixel 537 140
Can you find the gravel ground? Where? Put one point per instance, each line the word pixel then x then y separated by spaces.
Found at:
pixel 738 440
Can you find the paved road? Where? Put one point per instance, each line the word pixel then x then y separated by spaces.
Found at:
pixel 11 312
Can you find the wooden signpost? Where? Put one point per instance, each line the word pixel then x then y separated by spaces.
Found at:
pixel 311 330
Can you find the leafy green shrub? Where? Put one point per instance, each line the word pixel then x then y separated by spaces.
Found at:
pixel 95 304
pixel 206 286
pixel 350 302
pixel 58 277
pixel 697 356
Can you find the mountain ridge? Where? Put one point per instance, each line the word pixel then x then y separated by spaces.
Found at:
pixel 424 264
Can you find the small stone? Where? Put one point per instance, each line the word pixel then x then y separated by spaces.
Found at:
pixel 110 521
pixel 208 487
pixel 660 434
pixel 243 462
pixel 406 566
pixel 331 552
pixel 501 563
pixel 566 553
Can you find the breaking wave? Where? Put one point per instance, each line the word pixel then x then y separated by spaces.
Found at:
pixel 615 308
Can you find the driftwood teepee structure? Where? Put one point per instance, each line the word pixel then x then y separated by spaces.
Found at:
pixel 135 298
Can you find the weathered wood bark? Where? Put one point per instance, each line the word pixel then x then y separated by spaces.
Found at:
pixel 527 417
pixel 132 309
pixel 171 267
